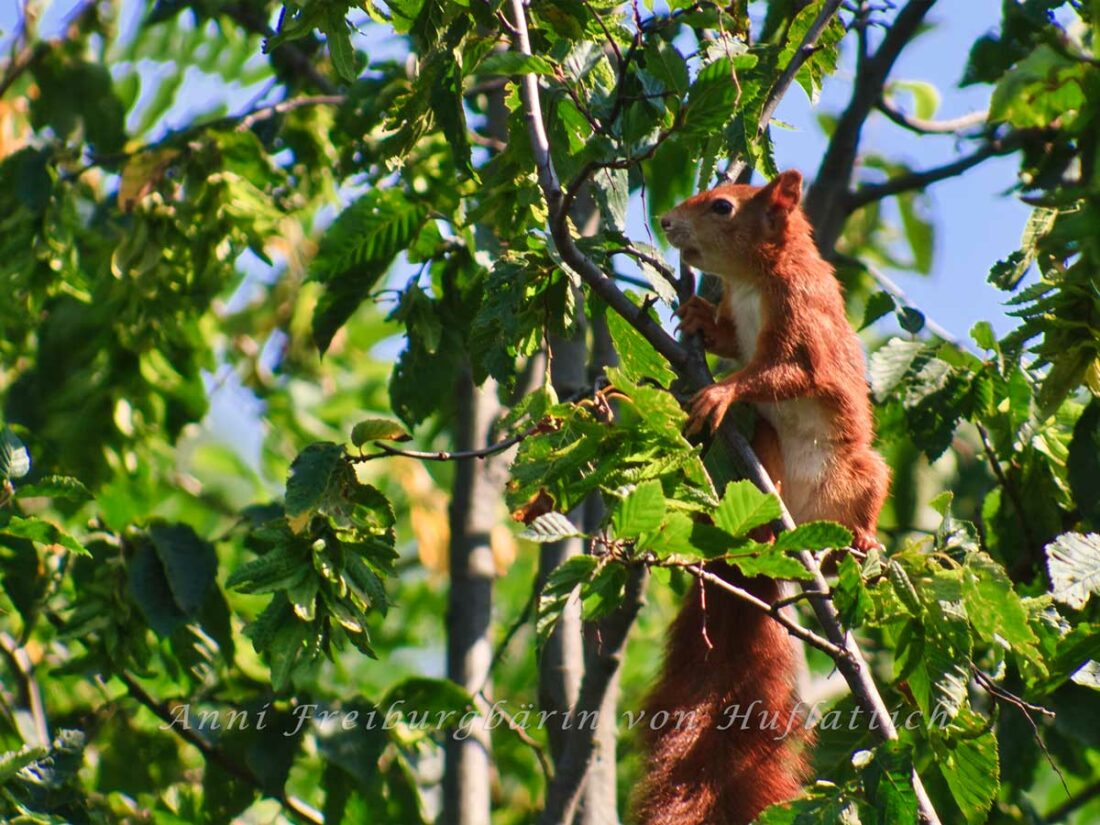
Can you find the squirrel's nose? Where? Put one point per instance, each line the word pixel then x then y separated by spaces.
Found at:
pixel 666 222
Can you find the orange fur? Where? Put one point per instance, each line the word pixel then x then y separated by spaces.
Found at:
pixel 782 315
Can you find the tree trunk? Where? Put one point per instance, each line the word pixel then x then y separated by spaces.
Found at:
pixel 475 508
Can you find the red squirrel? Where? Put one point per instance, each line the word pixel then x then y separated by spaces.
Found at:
pixel 782 316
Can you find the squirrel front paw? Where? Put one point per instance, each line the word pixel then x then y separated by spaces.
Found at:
pixel 709 407
pixel 698 315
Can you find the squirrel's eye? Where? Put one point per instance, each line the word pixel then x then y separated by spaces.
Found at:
pixel 722 207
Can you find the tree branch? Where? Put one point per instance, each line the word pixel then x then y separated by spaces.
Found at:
pixel 455 455
pixel 919 180
pixel 826 199
pixel 773 609
pixel 930 127
pixel 564 792
pixel 213 754
pixel 25 668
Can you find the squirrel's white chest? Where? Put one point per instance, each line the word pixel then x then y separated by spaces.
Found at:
pixel 802 424
pixel 745 305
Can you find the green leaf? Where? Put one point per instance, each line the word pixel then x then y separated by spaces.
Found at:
pixel 377 429
pixel 994 608
pixel 983 335
pixel 512 64
pixel 311 475
pixel 151 591
pixel 638 359
pixel 15 461
pixel 431 698
pixel 63 487
pixel 1043 87
pixel 890 363
pixel 769 562
pixel 911 320
pixel 913 208
pixel 560 584
pixel 850 593
pixel 642 511
pixel 355 252
pixel 878 306
pixel 1073 561
pixel 926 97
pixel 664 61
pixel 744 507
pixel 710 99
pixel 815 535
pixel 550 527
pixel 35 529
pixel 338 38
pixel 888 778
pixel 190 564
pixel 971 766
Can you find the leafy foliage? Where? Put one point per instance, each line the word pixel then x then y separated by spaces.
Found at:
pixel 172 258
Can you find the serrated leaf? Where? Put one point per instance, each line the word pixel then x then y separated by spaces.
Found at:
pixel 815 535
pixel 190 564
pixel 888 778
pixel 311 475
pixel 889 364
pixel 550 527
pixel 971 766
pixel 878 306
pixel 377 429
pixel 63 487
pixel 994 608
pixel 1073 561
pixel 744 507
pixel 641 511
pixel 15 460
pixel 43 532
pixel 770 562
pixel 850 593
pixel 639 361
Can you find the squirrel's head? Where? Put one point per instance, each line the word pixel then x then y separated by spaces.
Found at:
pixel 724 231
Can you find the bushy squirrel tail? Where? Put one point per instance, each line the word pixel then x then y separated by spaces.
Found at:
pixel 733 743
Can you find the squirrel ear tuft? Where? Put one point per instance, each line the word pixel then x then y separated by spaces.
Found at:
pixel 785 191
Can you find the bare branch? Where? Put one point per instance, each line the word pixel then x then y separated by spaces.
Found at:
pixel 247 121
pixel 922 179
pixel 455 455
pixel 826 199
pixel 930 127
pixel 771 609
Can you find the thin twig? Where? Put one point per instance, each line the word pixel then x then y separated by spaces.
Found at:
pixel 524 737
pixel 1026 708
pixel 25 668
pixel 445 455
pixel 1083 797
pixel 214 754
pixel 253 117
pixel 770 609
pixel 931 127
